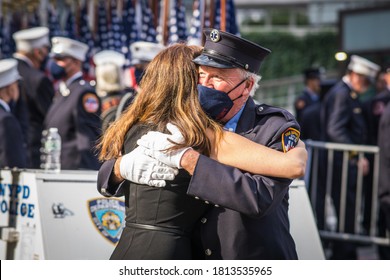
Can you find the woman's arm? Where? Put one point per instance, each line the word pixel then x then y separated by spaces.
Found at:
pixel 240 152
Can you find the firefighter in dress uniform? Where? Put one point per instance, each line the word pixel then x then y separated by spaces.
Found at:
pixel 76 107
pixel 343 122
pixel 37 90
pixel 12 150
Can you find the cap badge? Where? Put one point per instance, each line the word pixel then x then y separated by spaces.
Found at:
pixel 214 35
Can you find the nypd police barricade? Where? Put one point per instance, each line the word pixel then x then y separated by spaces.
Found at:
pixel 62 216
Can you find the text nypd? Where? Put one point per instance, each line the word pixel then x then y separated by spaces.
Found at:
pixel 14 200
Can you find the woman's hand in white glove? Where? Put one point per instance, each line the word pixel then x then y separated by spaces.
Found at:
pixel 156 145
pixel 140 168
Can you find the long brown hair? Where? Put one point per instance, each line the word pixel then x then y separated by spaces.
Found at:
pixel 169 94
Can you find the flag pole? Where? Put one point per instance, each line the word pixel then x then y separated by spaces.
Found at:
pixel 212 13
pixel 223 15
pixel 202 10
pixel 165 22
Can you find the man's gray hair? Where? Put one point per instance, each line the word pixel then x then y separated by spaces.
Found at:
pixel 256 80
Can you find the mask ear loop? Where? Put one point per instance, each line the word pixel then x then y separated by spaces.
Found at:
pixel 237 87
pixel 239 84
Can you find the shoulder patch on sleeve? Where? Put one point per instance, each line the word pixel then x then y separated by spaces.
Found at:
pixel 290 139
pixel 90 103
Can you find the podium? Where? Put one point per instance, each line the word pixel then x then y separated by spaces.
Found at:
pixel 46 216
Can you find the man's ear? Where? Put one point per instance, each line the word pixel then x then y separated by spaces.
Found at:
pixel 249 83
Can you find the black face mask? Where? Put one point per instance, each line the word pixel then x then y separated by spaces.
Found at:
pixel 216 103
pixel 44 63
pixel 12 105
pixel 57 71
pixel 139 73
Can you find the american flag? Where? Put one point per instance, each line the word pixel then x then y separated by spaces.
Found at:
pixel 231 25
pixel 116 40
pixel 196 22
pixel 70 26
pixel 177 23
pixel 33 18
pixel 1 38
pixel 129 31
pixel 102 30
pixel 7 44
pixel 87 38
pixel 148 31
pixel 53 22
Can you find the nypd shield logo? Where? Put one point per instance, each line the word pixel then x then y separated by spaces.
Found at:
pixel 108 216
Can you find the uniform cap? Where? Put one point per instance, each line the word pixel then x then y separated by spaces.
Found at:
pixel 363 66
pixel 28 39
pixel 8 72
pixel 109 57
pixel 142 52
pixel 312 73
pixel 225 50
pixel 62 46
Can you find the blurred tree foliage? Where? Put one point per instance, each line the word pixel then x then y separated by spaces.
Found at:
pixel 291 54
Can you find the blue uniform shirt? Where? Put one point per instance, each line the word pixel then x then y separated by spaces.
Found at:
pixel 231 125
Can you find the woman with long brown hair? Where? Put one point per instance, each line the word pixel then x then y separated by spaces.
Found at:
pixel 159 221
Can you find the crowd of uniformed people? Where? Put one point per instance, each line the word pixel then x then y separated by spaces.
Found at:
pixel 42 86
pixel 353 110
pixel 52 92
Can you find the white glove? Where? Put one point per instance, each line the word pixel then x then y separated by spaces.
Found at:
pixel 157 144
pixel 139 168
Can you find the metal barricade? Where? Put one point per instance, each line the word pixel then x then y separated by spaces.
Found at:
pixel 322 155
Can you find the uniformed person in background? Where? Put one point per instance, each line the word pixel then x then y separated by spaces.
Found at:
pixel 141 54
pixel 32 47
pixel 249 218
pixel 311 92
pixel 343 122
pixel 110 86
pixel 76 108
pixel 12 149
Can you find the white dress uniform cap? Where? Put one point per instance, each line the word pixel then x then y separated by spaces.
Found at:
pixel 363 66
pixel 28 39
pixel 62 46
pixel 109 56
pixel 8 72
pixel 144 51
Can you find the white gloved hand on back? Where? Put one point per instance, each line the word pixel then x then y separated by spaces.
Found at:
pixel 140 168
pixel 156 145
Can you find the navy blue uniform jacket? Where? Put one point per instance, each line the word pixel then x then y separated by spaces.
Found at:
pixel 250 219
pixel 79 129
pixel 342 116
pixel 39 93
pixel 12 150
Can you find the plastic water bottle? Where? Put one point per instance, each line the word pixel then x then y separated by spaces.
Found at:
pixel 42 149
pixel 52 151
